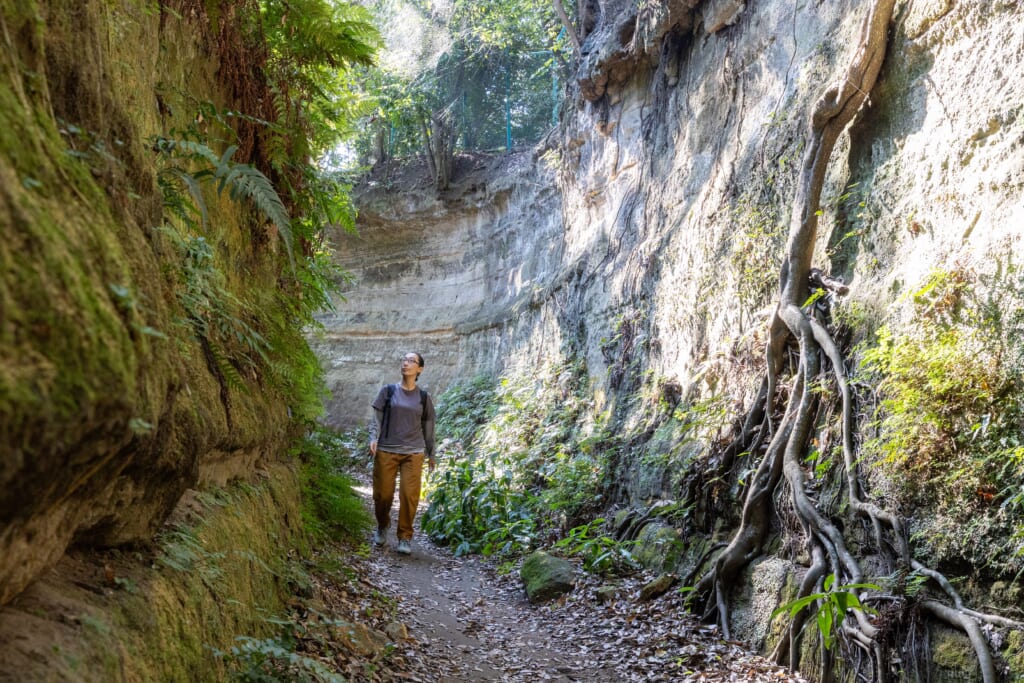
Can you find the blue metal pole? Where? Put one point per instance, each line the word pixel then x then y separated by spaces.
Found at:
pixel 508 113
pixel 554 93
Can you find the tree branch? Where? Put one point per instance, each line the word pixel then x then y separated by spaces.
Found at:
pixel 567 25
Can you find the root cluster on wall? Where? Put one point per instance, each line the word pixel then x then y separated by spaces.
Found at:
pixel 788 433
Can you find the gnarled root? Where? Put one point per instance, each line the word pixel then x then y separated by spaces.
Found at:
pixel 958 619
pixel 787 650
pixel 784 454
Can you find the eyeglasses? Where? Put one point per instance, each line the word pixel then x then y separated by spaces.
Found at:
pixel 411 359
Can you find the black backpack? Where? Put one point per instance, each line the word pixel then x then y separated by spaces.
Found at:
pixel 385 423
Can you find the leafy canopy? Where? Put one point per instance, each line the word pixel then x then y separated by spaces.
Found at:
pixel 486 65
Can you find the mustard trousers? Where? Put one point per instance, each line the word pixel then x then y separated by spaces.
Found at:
pixel 409 469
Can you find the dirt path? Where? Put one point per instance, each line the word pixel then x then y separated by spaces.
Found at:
pixel 466 627
pixel 467 623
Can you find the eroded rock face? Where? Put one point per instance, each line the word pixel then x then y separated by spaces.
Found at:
pixel 108 411
pixel 721 13
pixel 627 40
pixel 456 278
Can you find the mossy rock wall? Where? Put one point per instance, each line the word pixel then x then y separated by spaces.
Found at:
pixel 109 405
pixel 220 571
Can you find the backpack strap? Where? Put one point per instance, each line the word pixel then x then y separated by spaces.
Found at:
pixel 428 444
pixel 386 420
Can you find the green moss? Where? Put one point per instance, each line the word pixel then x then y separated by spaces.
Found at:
pixel 71 352
pixel 93 352
pixel 621 517
pixel 239 580
pixel 1014 654
pixel 225 569
pixel 778 627
pixel 695 550
pixel 953 658
pixel 659 547
pixel 101 376
pixel 545 576
pixel 756 236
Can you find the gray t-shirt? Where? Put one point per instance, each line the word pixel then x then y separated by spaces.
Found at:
pixel 406 431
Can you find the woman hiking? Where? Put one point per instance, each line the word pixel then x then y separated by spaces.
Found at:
pixel 401 433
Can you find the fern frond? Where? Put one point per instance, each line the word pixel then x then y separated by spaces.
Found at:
pixel 281 104
pixel 187 148
pixel 277 150
pixel 173 200
pixel 254 341
pixel 232 377
pixel 283 374
pixel 225 158
pixel 246 181
pixel 195 190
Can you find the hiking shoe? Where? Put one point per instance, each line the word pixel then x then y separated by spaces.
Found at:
pixel 404 547
pixel 378 536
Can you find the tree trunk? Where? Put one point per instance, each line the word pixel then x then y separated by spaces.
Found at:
pixel 380 146
pixel 439 142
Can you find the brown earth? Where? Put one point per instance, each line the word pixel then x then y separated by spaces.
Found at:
pixel 467 622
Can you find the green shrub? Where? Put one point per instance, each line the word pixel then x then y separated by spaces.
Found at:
pixel 950 410
pixel 464 408
pixel 476 507
pixel 948 421
pixel 600 552
pixel 269 660
pixel 330 505
pixel 557 449
pixel 525 456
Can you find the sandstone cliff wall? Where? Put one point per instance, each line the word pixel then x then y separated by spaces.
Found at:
pixel 465 279
pixel 665 196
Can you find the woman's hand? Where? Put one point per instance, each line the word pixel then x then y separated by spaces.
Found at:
pixel 373 448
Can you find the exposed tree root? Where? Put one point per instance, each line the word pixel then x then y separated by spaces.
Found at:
pixel 784 455
pixel 788 648
pixel 956 618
